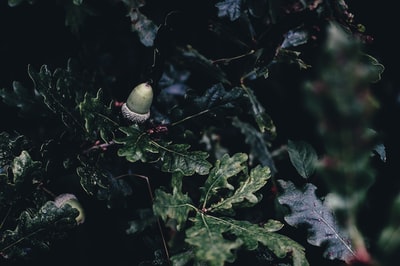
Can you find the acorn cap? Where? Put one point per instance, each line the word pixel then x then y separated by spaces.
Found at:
pixel 137 106
pixel 71 200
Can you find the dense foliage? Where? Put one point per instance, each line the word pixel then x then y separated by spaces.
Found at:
pixel 262 146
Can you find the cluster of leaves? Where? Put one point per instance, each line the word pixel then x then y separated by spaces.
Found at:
pixel 212 186
pixel 29 220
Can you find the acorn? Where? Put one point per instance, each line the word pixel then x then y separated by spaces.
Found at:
pixel 137 106
pixel 71 200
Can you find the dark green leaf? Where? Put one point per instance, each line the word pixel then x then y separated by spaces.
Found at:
pixel 60 92
pixel 137 145
pixel 209 244
pixel 24 169
pixel 303 157
pixel 35 231
pixel 252 234
pixel 174 157
pixel 182 259
pixel 286 56
pixel 97 181
pixel 146 219
pixel 28 102
pixel 217 96
pixel 177 158
pixel 262 119
pixel 246 191
pixel 208 233
pixel 323 230
pixel 194 60
pixel 224 169
pixel 10 146
pixel 175 206
pixel 258 144
pixel 97 116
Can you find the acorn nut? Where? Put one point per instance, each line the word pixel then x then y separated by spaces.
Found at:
pixel 137 106
pixel 71 200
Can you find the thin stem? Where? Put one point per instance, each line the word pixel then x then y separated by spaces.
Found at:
pixel 5 217
pixel 107 118
pixel 21 239
pixel 47 190
pixel 281 151
pixel 190 117
pixel 229 59
pixel 102 146
pixel 158 219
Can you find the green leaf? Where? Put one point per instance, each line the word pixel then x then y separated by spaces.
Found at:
pixel 262 119
pixel 28 102
pixel 252 234
pixel 92 178
pixel 10 146
pixel 209 244
pixel 175 206
pixel 285 56
pixel 217 97
pixel 182 259
pixel 60 92
pixel 192 59
pixel 207 236
pixel 323 229
pixel 97 116
pixel 19 174
pixel 25 169
pixel 258 144
pixel 177 158
pixel 137 145
pixel 303 157
pixel 246 191
pixel 98 182
pixel 35 230
pixel 174 157
pixel 224 169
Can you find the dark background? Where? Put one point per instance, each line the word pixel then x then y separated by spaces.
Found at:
pixel 36 35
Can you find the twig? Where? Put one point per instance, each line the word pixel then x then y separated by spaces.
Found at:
pixel 97 146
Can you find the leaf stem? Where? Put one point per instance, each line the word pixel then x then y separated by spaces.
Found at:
pixel 229 59
pixel 190 117
pixel 107 118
